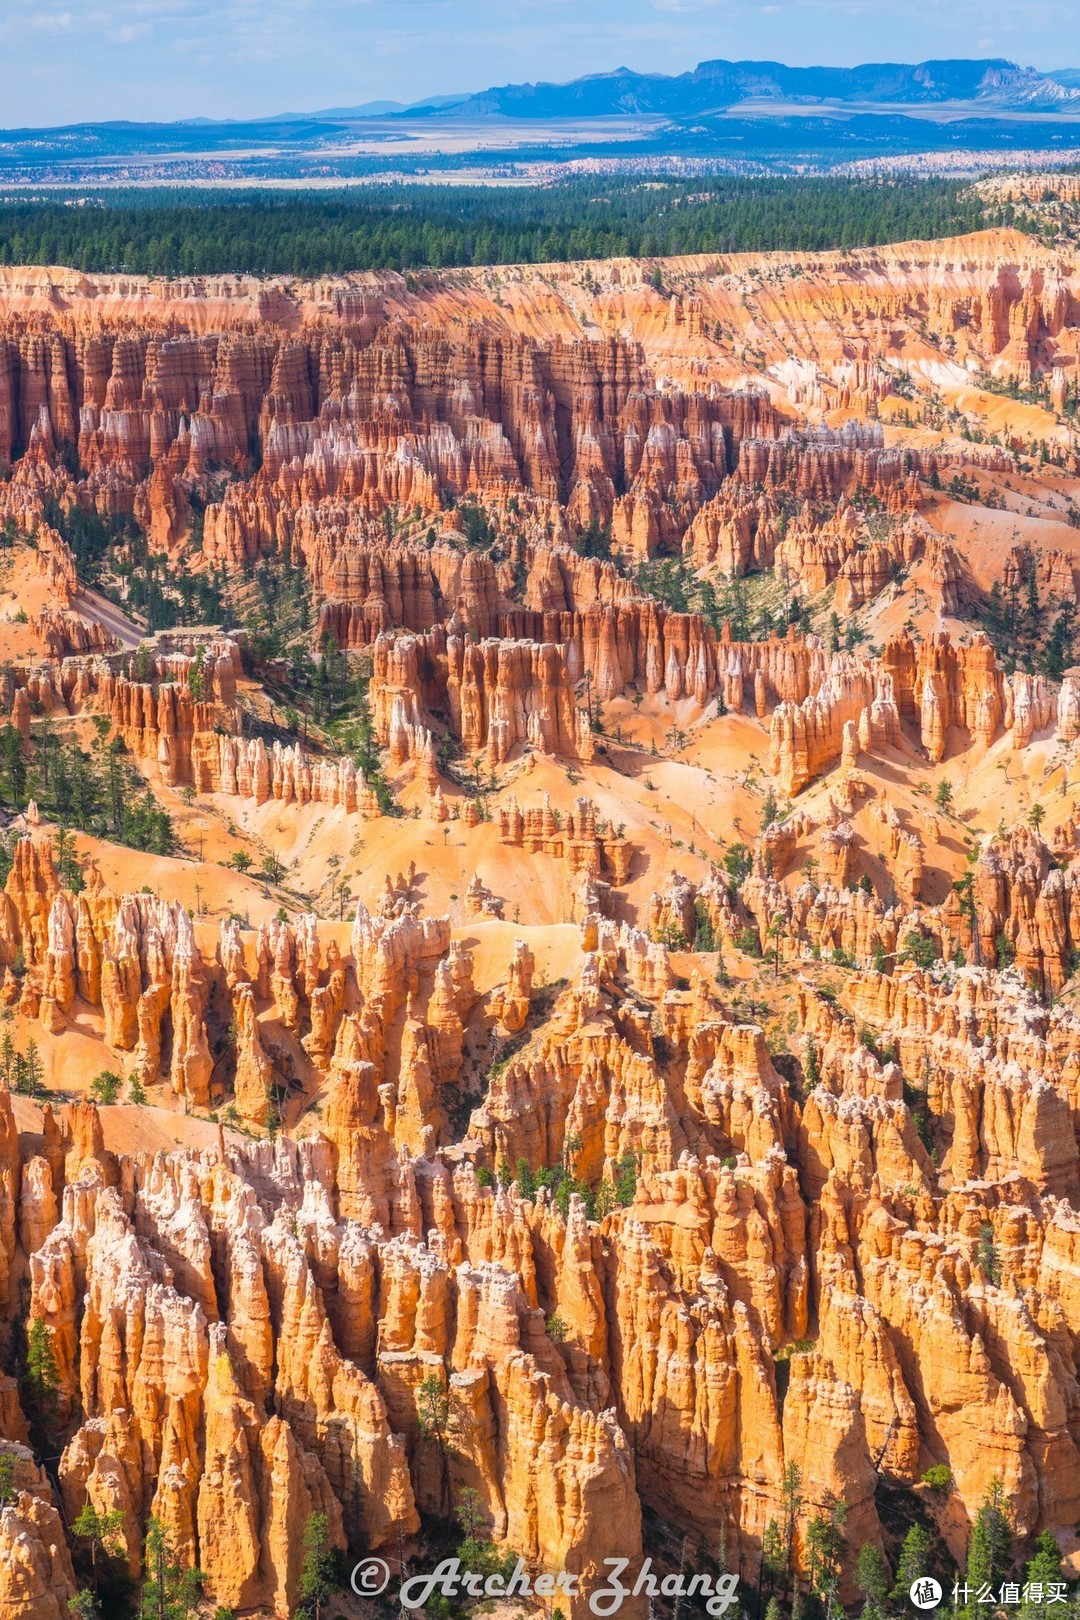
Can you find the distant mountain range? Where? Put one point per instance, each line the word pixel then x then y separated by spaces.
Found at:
pixel 716 86
pixel 723 113
pixel 377 109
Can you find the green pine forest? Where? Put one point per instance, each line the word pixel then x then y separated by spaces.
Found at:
pixel 410 227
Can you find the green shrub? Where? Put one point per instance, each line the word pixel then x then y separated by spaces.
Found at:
pixel 919 949
pixel 106 1087
pixel 747 941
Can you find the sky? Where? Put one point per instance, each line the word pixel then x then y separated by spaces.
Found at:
pixel 66 61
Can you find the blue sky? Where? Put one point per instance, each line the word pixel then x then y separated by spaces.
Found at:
pixel 68 60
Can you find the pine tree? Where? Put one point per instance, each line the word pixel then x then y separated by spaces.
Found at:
pixel 773 1554
pixel 826 1545
pixel 8 1491
pixel 101 1531
pixel 33 1079
pixel 991 1536
pixel 114 782
pixel 106 1087
pixel 472 1514
pixel 626 1184
pixel 605 1200
pixel 988 1255
pixel 914 1561
pixel 41 1380
pixel 67 861
pixel 12 767
pixel 704 933
pixel 872 1578
pixel 170 1592
pixel 791 1500
pixel 1043 1569
pixel 433 1422
pixel 317 1573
